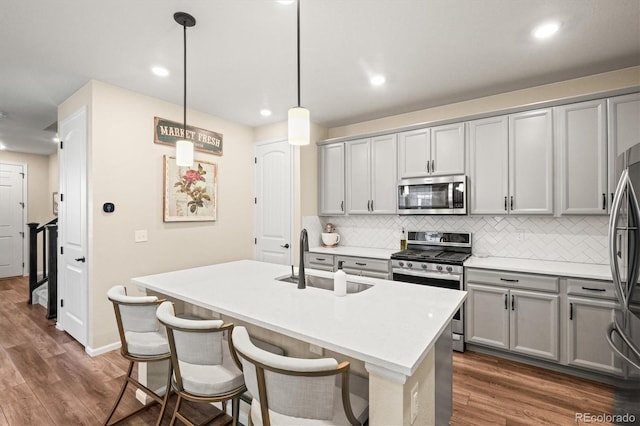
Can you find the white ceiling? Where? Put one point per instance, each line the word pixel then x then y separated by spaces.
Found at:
pixel 242 54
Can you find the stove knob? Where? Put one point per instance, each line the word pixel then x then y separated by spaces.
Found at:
pixel 439 268
pixel 409 265
pixel 425 266
pixel 401 264
pixel 449 269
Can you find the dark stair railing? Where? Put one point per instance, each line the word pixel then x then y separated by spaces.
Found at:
pixel 50 273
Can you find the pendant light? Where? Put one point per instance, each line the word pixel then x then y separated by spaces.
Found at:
pixel 299 125
pixel 184 147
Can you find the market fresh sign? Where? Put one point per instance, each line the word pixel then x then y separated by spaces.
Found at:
pixel 167 132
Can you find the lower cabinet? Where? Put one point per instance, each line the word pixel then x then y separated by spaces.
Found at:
pixel 521 321
pixel 587 344
pixel 366 267
pixel 323 262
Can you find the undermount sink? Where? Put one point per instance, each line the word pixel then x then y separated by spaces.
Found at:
pixel 325 283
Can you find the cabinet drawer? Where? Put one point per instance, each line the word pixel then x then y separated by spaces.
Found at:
pixel 318 259
pixel 364 264
pixel 591 288
pixel 513 280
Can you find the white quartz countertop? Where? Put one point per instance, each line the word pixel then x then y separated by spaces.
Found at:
pixel 392 325
pixel 563 269
pixel 373 253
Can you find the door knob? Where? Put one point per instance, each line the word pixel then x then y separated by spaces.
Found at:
pixel 80 259
pixel 285 246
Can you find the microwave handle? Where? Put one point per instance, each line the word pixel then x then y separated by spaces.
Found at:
pixel 450 197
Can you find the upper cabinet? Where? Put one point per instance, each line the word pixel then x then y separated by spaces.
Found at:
pixel 371 175
pixel 434 151
pixel 511 164
pixel 624 132
pixel 531 162
pixel 582 157
pixel 331 179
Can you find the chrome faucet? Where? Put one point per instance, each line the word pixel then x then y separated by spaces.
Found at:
pixel 304 247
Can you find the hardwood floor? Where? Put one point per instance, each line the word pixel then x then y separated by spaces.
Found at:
pixel 46 378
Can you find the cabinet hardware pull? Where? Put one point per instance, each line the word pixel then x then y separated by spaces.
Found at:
pixel 571 311
pixel 368 205
pixel 372 206
pixel 428 168
pixel 604 201
pixel 594 289
pixel 342 205
pixel 505 203
pixel 361 264
pixel 512 202
pixel 433 166
pixel 506 301
pixel 513 302
pixel 509 280
pixel 320 259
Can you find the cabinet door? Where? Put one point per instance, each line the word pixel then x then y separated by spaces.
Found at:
pixel 383 175
pixel 531 162
pixel 487 316
pixel 447 150
pixel 623 126
pixel 535 327
pixel 488 165
pixel 414 153
pixel 358 177
pixel 331 179
pixel 587 344
pixel 582 157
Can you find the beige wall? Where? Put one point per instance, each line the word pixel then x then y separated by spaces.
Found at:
pixel 591 85
pixel 39 204
pixel 54 181
pixel 126 168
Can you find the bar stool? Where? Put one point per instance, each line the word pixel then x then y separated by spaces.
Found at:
pixel 296 391
pixel 205 368
pixel 143 340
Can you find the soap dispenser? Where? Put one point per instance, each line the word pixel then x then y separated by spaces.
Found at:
pixel 340 281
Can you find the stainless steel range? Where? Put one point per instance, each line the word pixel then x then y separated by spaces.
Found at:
pixel 435 259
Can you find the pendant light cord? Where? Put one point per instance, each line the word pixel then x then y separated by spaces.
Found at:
pixel 184 129
pixel 298 38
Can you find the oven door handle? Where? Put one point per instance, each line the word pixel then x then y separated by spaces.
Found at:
pixel 426 274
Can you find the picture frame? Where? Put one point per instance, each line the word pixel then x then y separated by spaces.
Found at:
pixel 190 192
pixel 54 203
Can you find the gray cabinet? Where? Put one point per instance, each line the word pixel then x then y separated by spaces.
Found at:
pixel 371 175
pixel 591 307
pixel 511 164
pixel 331 179
pixel 324 262
pixel 502 311
pixel 435 151
pixel 582 157
pixel 366 267
pixel 623 128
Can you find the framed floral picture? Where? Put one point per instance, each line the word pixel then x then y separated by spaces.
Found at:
pixel 191 192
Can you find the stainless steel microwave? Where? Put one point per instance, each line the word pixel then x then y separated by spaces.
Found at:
pixel 433 195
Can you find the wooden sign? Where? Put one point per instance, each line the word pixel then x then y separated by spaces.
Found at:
pixel 167 132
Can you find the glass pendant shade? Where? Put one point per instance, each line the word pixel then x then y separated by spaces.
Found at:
pixel 184 153
pixel 299 126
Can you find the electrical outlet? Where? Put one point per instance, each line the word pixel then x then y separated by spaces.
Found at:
pixel 140 236
pixel 414 403
pixel 316 349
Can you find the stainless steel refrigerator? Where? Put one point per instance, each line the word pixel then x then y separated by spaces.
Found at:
pixel 624 256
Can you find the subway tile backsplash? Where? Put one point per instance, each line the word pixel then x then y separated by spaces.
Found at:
pixel 568 238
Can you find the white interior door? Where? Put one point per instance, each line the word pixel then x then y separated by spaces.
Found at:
pixel 11 220
pixel 72 225
pixel 273 202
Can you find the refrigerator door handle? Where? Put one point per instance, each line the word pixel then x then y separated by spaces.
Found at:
pixel 614 328
pixel 613 222
pixel 634 267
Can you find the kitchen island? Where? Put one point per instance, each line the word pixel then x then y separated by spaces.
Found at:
pixel 392 327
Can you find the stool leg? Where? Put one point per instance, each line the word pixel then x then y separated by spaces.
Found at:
pixel 235 410
pixel 122 389
pixel 175 410
pixel 167 393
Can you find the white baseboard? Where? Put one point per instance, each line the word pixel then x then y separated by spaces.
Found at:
pixel 103 349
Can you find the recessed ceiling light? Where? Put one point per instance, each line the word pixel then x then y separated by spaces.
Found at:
pixel 377 80
pixel 265 112
pixel 2 147
pixel 546 30
pixel 160 71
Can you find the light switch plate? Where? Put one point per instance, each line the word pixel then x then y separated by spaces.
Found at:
pixel 140 236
